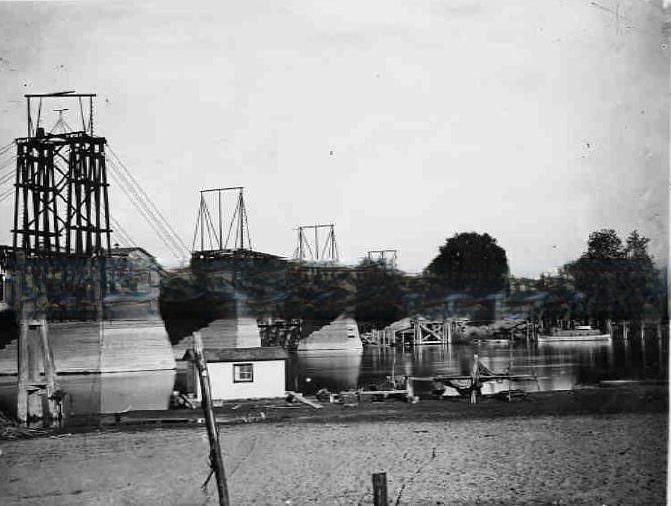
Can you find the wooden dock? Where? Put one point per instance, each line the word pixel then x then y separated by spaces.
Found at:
pixel 470 385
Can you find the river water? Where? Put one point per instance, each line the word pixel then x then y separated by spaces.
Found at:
pixel 548 366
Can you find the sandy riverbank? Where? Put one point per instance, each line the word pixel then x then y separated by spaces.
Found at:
pixel 613 456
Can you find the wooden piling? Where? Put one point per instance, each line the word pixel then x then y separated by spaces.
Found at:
pixel 49 370
pixel 23 376
pixel 216 459
pixel 474 379
pixel 34 381
pixel 380 489
pixel 410 388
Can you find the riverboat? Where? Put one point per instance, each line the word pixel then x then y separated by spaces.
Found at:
pixel 578 333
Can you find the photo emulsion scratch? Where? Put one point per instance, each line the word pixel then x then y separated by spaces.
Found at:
pixel 371 252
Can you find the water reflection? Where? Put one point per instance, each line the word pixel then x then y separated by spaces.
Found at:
pixel 551 366
pixel 104 393
pixel 310 370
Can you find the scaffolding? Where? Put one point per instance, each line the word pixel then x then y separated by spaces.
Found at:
pixel 388 257
pixel 61 201
pixel 308 247
pixel 209 231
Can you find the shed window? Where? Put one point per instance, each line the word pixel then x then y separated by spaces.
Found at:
pixel 243 373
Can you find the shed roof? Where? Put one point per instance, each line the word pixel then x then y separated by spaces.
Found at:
pixel 241 354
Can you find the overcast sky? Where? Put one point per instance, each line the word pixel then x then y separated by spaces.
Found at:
pixel 401 122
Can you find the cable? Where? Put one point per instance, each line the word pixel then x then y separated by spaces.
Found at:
pixel 5 148
pixel 137 200
pixel 198 218
pixel 9 177
pixel 124 236
pixel 8 164
pixel 149 214
pixel 165 222
pixel 6 195
pixel 145 213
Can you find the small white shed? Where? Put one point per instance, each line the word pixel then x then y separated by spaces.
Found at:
pixel 241 373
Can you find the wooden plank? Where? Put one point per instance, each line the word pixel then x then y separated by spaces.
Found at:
pixel 299 397
pixel 381 392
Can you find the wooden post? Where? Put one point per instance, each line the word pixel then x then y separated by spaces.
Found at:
pixel 410 387
pixel 22 358
pixel 34 381
pixel 642 350
pixel 624 330
pixel 474 379
pixel 49 369
pixel 449 331
pixel 216 459
pixel 380 489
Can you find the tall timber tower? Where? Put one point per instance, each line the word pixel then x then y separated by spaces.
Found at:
pixel 76 304
pixel 61 203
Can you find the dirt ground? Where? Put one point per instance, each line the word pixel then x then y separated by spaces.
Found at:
pixel 613 456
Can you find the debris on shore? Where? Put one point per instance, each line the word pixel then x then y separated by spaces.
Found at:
pixel 11 429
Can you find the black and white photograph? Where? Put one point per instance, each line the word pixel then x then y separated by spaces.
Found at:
pixel 334 252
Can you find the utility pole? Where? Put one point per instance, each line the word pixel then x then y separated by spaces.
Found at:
pixel 216 459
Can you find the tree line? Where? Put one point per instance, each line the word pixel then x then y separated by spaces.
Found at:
pixel 612 279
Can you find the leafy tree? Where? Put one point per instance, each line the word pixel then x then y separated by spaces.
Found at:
pixel 472 263
pixel 472 268
pixel 618 279
pixel 379 294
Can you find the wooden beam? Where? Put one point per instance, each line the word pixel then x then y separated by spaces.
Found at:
pixel 434 334
pixel 299 397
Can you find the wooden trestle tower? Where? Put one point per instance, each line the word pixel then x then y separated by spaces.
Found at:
pixel 61 202
pixel 61 232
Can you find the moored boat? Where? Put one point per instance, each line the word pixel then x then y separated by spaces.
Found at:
pixel 578 333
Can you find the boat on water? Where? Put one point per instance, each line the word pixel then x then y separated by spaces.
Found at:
pixel 579 333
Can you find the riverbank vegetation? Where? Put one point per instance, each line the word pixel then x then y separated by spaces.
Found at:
pixel 469 278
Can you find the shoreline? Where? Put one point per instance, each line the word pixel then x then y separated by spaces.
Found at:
pixel 553 448
pixel 612 398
